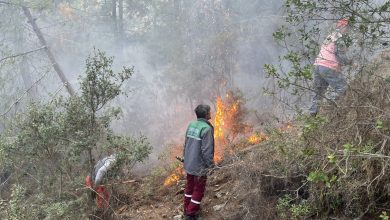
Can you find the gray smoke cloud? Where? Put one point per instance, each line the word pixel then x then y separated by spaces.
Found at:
pixel 151 108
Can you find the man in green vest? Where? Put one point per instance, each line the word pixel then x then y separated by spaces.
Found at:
pixel 198 159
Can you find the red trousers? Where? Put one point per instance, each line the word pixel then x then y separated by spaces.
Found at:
pixel 103 195
pixel 102 198
pixel 193 194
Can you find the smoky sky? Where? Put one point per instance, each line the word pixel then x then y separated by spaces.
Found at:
pixel 151 34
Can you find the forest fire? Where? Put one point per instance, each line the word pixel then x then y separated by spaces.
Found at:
pixel 228 123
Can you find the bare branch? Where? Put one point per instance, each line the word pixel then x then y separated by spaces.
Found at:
pixel 21 54
pixel 24 93
pixel 55 64
pixel 11 3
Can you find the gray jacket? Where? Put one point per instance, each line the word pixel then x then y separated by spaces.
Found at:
pixel 199 147
pixel 102 167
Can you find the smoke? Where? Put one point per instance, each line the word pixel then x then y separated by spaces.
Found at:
pixel 184 53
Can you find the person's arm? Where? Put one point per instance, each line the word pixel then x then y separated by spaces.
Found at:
pixel 108 164
pixel 341 51
pixel 207 148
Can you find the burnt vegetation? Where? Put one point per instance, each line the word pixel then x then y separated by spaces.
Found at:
pixel 273 160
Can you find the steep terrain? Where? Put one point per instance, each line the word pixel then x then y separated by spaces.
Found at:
pixel 333 165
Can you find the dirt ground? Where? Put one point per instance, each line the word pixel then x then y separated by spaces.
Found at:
pixel 149 199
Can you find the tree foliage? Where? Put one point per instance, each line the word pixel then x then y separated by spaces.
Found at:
pixel 50 148
pixel 333 165
pixel 307 23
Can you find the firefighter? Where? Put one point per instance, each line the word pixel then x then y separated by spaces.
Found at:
pixel 198 160
pixel 94 181
pixel 327 72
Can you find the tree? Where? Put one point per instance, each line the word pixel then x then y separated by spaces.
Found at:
pixel 336 176
pixel 306 24
pixel 51 147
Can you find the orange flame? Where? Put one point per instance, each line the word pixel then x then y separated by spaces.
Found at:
pixel 223 121
pixel 257 138
pixel 174 177
pixel 219 124
pixel 219 119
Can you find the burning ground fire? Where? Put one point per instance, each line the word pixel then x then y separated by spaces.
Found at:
pixel 174 177
pixel 219 127
pixel 227 124
pixel 257 138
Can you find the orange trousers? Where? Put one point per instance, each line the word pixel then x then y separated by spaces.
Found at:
pixel 103 195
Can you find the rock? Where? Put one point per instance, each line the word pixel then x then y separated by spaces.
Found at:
pixel 218 207
pixel 217 189
pixel 177 217
pixel 218 195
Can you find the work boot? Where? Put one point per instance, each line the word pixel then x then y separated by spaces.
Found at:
pixel 192 217
pixel 189 217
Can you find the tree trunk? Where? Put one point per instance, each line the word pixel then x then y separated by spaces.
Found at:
pixel 120 16
pixel 56 66
pixel 114 18
pixel 121 33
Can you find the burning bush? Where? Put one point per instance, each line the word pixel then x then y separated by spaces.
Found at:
pixel 230 116
pixel 229 121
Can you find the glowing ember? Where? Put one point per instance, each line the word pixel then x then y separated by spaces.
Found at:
pixel 218 155
pixel 174 177
pixel 285 126
pixel 257 138
pixel 254 139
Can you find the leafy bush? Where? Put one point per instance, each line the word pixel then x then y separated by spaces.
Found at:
pixel 52 146
pixel 337 161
